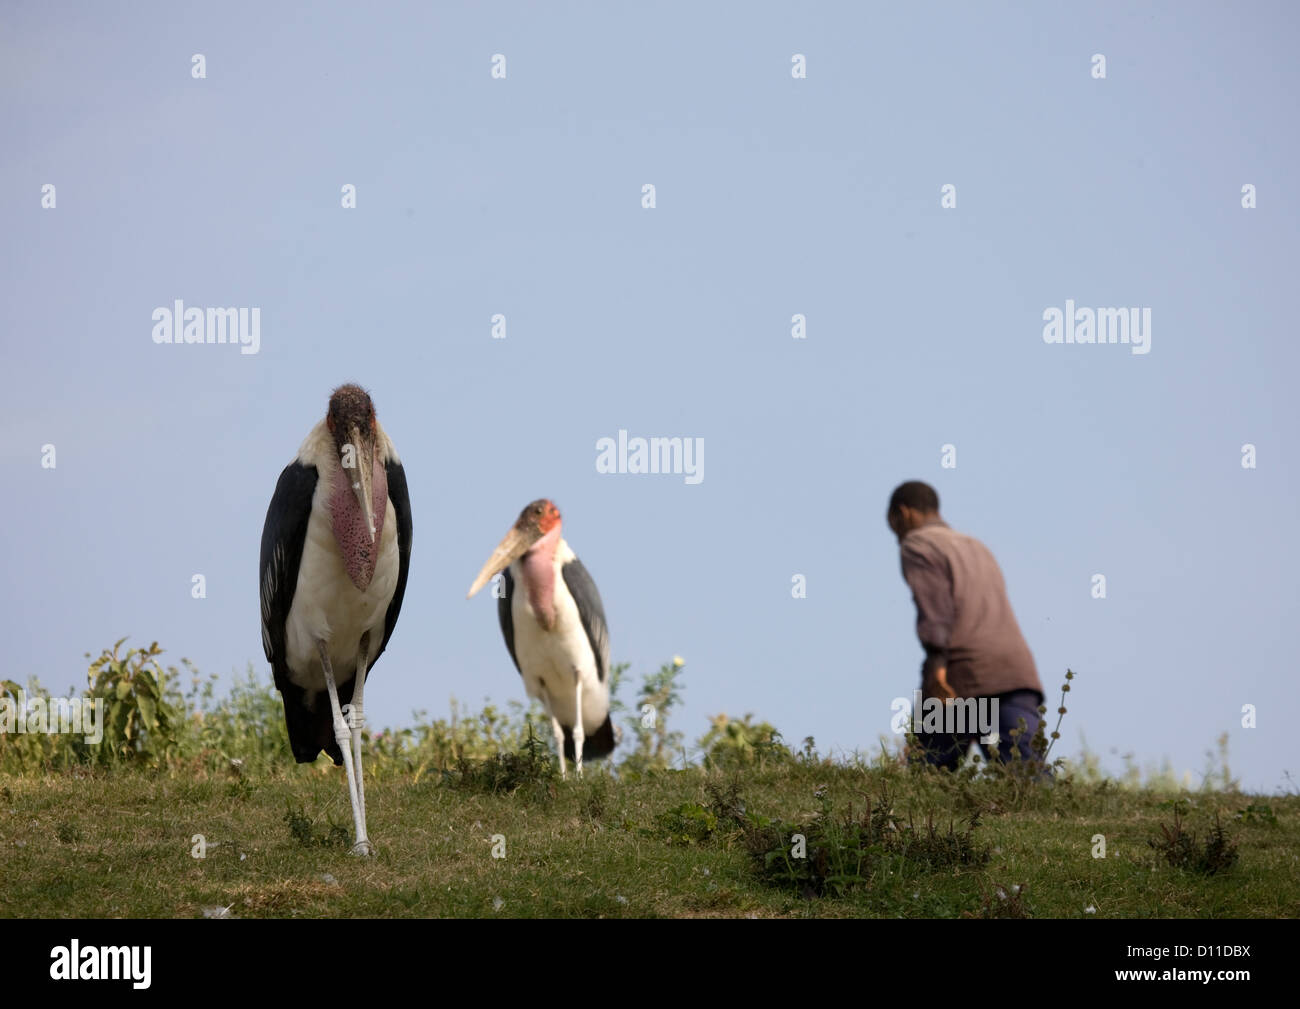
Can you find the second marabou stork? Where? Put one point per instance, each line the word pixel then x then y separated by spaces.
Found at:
pixel 554 625
pixel 336 549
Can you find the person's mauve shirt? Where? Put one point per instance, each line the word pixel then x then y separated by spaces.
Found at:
pixel 963 615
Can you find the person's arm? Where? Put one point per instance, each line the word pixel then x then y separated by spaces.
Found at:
pixel 928 578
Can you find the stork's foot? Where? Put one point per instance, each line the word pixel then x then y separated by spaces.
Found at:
pixel 362 848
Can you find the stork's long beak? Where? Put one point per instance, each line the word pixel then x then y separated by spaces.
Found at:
pixel 362 476
pixel 510 549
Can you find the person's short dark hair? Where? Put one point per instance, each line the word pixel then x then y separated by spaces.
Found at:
pixel 914 494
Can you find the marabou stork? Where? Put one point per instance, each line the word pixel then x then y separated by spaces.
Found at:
pixel 336 549
pixel 555 632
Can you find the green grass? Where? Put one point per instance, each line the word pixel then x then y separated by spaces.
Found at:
pixel 750 827
pixel 117 843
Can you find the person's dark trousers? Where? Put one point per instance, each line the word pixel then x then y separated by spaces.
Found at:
pixel 945 749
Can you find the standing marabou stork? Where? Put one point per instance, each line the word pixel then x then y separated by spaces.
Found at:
pixel 555 632
pixel 336 549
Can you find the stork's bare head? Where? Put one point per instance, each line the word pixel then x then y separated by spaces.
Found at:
pixel 351 420
pixel 534 522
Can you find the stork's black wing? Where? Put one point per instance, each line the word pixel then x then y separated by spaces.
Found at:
pixel 591 612
pixel 283 536
pixel 507 618
pixel 401 500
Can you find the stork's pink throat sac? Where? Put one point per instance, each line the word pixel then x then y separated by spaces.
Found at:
pixel 539 577
pixel 350 529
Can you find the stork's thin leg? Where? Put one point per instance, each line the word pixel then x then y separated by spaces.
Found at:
pixel 343 737
pixel 558 729
pixel 579 737
pixel 357 721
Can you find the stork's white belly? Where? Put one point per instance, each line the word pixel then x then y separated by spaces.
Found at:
pixel 552 662
pixel 328 606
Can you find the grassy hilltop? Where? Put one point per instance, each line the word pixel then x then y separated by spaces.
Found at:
pixel 469 818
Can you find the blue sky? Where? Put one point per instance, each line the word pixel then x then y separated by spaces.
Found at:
pixel 775 196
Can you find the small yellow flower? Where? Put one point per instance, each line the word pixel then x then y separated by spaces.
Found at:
pixel 678 662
